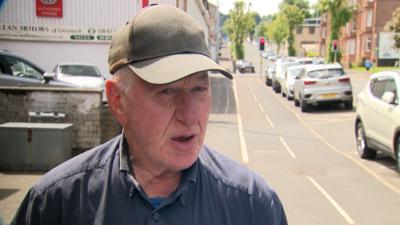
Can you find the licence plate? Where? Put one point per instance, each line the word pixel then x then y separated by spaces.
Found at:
pixel 329 95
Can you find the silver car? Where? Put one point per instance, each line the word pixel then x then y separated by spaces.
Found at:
pixel 279 77
pixel 322 83
pixel 377 125
pixel 289 80
pixel 81 75
pixel 269 73
pixel 18 71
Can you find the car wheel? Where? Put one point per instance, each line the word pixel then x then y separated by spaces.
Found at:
pixel 283 94
pixel 304 106
pixel 269 82
pixel 289 98
pixel 398 153
pixel 296 102
pixel 348 105
pixel 252 70
pixel 363 150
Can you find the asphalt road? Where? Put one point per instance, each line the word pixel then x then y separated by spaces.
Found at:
pixel 310 159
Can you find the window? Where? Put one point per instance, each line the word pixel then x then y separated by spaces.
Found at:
pixel 22 69
pixel 351 47
pixel 323 32
pixel 369 18
pixel 377 87
pixel 299 30
pixel 311 30
pixel 354 24
pixel 368 44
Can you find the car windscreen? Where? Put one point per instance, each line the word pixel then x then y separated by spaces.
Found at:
pixel 294 72
pixel 326 73
pixel 80 70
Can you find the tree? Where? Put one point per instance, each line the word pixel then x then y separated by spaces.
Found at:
pixel 302 4
pixel 340 14
pixel 294 16
pixel 277 30
pixel 394 26
pixel 237 26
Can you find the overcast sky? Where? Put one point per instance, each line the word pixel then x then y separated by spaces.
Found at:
pixel 263 7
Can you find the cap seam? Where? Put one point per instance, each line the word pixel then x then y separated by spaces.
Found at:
pixel 181 31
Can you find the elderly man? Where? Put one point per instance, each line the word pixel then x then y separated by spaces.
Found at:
pixel 157 171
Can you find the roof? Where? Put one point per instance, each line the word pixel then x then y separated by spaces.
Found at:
pixel 312 67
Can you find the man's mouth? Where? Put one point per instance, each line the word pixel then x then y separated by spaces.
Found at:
pixel 183 139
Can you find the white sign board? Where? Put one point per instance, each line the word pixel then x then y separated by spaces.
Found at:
pixel 386 46
pixel 55 33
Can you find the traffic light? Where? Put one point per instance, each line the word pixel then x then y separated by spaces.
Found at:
pixel 262 43
pixel 334 45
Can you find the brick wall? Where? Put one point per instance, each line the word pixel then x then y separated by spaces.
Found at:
pixel 92 122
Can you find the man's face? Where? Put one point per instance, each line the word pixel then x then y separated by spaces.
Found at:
pixel 165 124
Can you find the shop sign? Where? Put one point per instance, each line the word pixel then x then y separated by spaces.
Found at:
pixel 50 8
pixel 55 33
pixel 386 47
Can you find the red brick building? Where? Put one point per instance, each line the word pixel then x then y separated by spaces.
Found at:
pixel 359 38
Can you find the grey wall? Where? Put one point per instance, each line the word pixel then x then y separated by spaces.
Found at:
pixel 92 122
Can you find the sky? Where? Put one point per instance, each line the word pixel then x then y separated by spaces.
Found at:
pixel 263 7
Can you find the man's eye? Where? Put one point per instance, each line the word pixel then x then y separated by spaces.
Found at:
pixel 168 91
pixel 200 89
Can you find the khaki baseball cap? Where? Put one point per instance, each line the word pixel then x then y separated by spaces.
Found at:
pixel 161 44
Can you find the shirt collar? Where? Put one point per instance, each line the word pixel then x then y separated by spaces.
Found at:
pixel 125 162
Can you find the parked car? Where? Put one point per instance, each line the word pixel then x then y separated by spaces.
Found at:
pixel 269 73
pixel 81 75
pixel 15 70
pixel 279 77
pixel 290 76
pixel 244 66
pixel 377 126
pixel 324 83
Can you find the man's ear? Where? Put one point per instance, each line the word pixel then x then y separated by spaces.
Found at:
pixel 115 101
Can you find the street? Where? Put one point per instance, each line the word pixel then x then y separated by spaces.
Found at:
pixel 310 159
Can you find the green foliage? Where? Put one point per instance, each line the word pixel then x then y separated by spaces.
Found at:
pixel 238 26
pixel 395 27
pixel 340 14
pixel 277 30
pixel 294 16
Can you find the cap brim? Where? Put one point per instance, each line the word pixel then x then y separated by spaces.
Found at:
pixel 171 68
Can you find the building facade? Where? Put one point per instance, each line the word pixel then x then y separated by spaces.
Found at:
pixel 75 31
pixel 364 36
pixel 307 38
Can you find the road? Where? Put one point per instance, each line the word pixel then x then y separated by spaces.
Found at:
pixel 310 159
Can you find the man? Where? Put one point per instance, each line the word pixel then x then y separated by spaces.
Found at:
pixel 157 171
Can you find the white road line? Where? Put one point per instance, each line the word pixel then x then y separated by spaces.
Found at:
pixel 260 107
pixel 332 201
pixel 243 147
pixel 287 147
pixel 333 148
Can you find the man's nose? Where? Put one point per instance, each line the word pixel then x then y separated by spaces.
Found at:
pixel 186 108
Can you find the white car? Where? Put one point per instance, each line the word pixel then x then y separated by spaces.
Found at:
pixel 81 75
pixel 323 83
pixel 377 125
pixel 289 79
pixel 279 77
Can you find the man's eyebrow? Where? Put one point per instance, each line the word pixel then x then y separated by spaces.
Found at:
pixel 203 76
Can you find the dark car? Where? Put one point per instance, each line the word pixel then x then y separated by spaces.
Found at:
pixel 18 71
pixel 244 66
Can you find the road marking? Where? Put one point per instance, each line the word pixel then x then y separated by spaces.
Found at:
pixel 333 148
pixel 332 201
pixel 287 147
pixel 260 107
pixel 243 147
